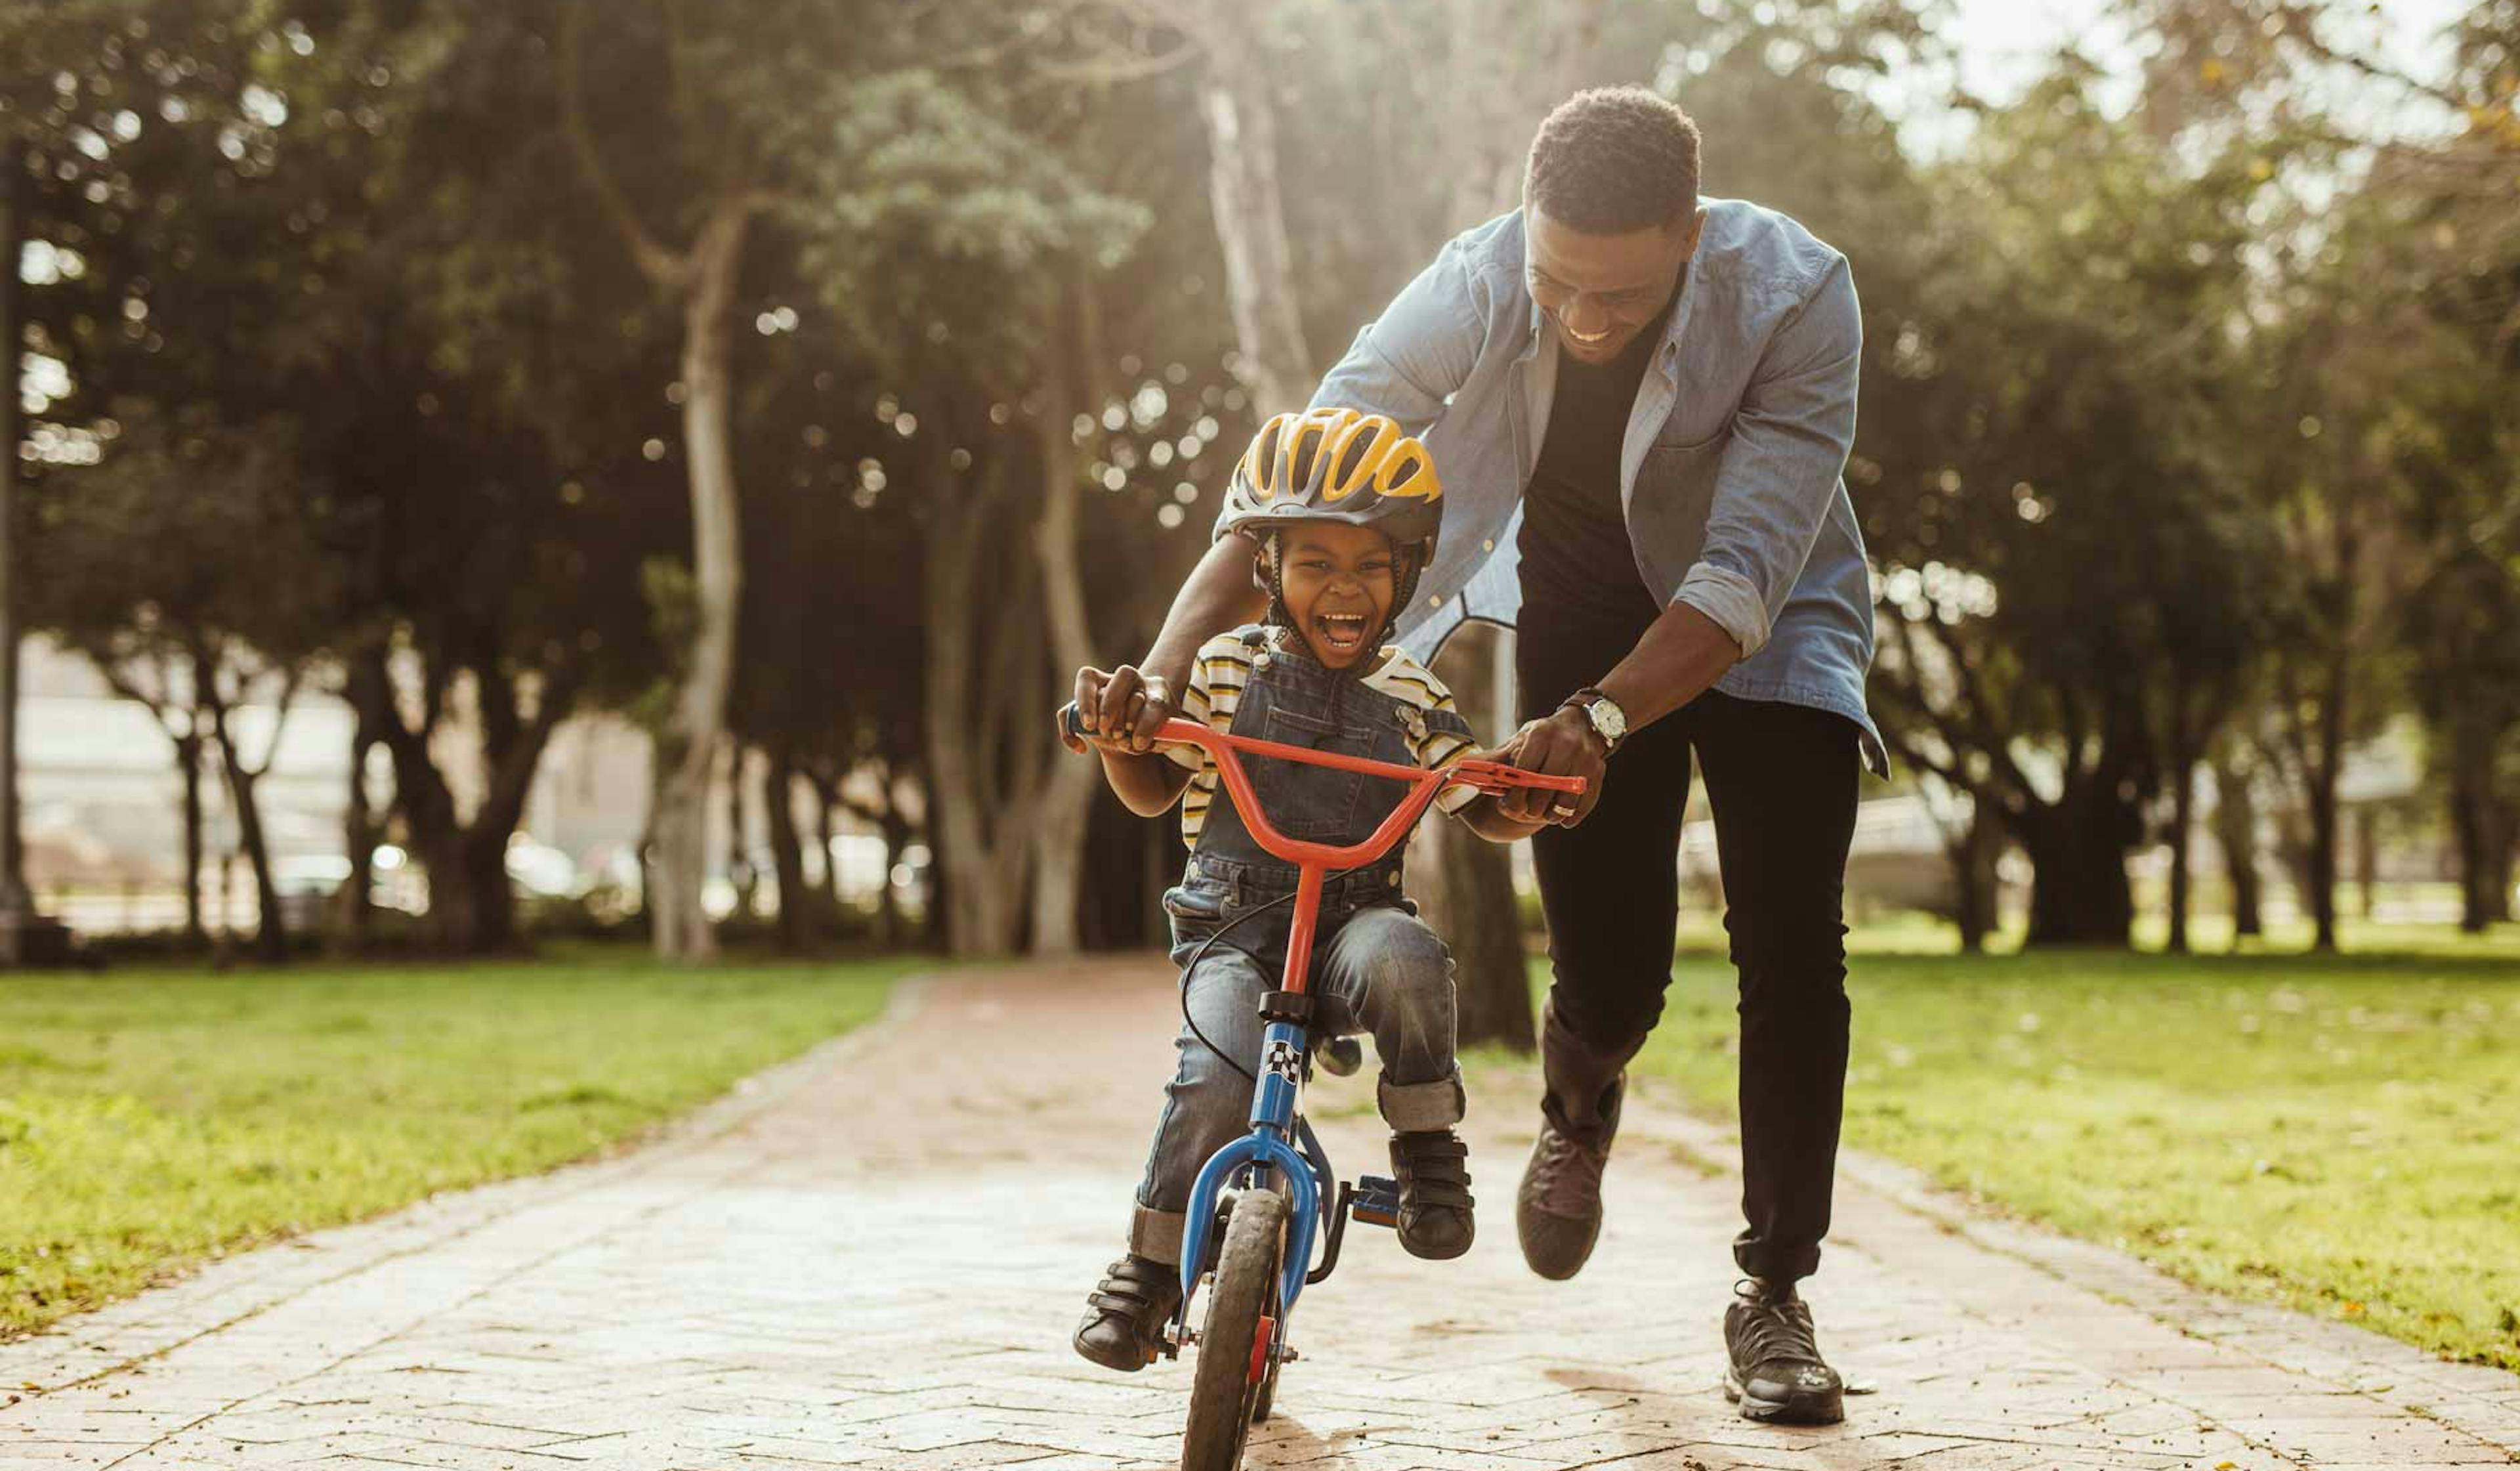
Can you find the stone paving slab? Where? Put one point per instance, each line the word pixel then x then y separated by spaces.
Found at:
pixel 873 1257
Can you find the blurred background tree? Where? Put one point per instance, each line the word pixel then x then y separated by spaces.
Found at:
pixel 409 354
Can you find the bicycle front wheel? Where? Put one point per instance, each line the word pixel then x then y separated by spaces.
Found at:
pixel 1238 1344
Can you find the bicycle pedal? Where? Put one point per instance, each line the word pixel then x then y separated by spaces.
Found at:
pixel 1378 1200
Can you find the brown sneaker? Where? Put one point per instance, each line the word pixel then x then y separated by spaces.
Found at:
pixel 1774 1370
pixel 1558 1211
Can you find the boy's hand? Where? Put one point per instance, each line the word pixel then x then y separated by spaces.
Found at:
pixel 1124 709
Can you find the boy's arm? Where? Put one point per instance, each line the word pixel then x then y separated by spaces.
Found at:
pixel 1147 783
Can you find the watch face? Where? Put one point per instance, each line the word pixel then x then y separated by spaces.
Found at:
pixel 1608 718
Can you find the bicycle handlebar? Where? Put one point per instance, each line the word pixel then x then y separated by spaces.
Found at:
pixel 1228 749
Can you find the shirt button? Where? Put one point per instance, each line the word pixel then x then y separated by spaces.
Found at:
pixel 1488 545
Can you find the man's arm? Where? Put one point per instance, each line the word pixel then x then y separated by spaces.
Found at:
pixel 1774 489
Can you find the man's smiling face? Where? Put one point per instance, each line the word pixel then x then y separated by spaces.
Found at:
pixel 1603 289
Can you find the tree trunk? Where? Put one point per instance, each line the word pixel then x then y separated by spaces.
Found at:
pixel 353 911
pixel 795 903
pixel 1252 231
pixel 2182 819
pixel 2318 859
pixel 2235 833
pixel 2483 828
pixel 2079 893
pixel 472 901
pixel 16 904
pixel 892 924
pixel 1466 894
pixel 2495 903
pixel 1974 853
pixel 1465 883
pixel 188 760
pixel 471 904
pixel 979 815
pixel 271 935
pixel 825 801
pixel 1068 797
pixel 741 873
pixel 683 932
pixel 2366 860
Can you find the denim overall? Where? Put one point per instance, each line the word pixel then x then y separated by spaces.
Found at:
pixel 1375 966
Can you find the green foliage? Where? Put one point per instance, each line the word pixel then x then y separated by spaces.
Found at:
pixel 151 1121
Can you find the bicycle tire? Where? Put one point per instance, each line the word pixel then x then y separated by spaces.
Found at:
pixel 1224 1395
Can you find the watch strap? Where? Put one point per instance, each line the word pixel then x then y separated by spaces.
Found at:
pixel 1584 700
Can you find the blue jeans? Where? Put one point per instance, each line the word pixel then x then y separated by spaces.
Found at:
pixel 1381 971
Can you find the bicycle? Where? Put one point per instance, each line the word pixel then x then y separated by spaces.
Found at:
pixel 1263 1203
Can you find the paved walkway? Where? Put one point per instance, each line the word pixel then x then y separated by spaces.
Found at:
pixel 873 1258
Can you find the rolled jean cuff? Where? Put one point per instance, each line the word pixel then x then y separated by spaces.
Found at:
pixel 1414 1107
pixel 1157 1235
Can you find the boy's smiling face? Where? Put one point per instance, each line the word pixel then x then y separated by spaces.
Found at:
pixel 1339 582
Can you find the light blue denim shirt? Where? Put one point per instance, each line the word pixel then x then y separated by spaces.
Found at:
pixel 1732 470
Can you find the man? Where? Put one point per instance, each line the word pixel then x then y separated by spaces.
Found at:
pixel 1642 403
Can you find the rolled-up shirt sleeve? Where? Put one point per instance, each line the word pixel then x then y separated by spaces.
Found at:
pixel 1779 472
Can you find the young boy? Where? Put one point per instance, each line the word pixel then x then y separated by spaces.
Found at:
pixel 1345 508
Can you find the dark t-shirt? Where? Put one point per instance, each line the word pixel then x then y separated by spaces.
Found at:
pixel 1577 566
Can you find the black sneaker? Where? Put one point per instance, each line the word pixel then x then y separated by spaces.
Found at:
pixel 1776 1372
pixel 1433 1167
pixel 1124 1317
pixel 1557 1212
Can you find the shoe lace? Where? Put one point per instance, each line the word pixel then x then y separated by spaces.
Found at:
pixel 1568 1173
pixel 1774 1333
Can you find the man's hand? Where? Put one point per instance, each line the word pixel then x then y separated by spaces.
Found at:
pixel 1560 744
pixel 1123 708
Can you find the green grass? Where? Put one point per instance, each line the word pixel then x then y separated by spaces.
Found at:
pixel 2333 1135
pixel 152 1118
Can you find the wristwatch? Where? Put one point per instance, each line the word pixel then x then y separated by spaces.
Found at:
pixel 1609 721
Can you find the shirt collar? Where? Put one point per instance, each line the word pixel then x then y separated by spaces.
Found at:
pixel 1666 358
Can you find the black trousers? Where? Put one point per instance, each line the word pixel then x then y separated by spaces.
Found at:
pixel 1781 780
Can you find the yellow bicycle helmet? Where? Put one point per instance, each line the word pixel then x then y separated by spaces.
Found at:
pixel 1337 465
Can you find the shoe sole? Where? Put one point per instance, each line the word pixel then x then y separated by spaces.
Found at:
pixel 1814 1410
pixel 1440 1253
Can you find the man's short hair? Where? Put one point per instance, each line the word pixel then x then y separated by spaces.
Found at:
pixel 1612 160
